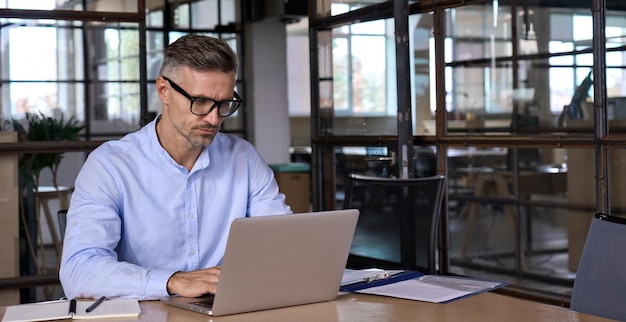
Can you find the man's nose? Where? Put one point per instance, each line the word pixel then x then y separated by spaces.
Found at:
pixel 213 117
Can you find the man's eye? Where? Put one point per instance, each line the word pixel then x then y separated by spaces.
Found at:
pixel 203 103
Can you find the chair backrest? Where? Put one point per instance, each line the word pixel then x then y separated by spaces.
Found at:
pixel 600 284
pixel 62 218
pixel 399 222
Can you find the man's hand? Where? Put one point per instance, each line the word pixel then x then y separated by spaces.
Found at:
pixel 194 283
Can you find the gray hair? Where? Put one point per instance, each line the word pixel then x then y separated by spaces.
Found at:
pixel 200 53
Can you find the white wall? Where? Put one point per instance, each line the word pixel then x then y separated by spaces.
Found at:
pixel 266 94
pixel 298 69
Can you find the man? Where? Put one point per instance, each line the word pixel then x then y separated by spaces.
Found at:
pixel 150 213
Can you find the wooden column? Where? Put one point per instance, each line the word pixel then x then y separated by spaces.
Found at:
pixel 9 220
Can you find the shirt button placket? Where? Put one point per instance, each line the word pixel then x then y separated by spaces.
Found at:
pixel 193 261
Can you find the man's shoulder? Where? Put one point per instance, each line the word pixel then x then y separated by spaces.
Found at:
pixel 227 140
pixel 128 143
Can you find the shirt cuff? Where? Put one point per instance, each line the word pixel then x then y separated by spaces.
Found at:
pixel 157 284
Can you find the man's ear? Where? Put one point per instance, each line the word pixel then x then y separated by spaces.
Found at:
pixel 162 88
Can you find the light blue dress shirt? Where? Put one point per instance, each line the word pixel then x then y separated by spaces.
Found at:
pixel 136 216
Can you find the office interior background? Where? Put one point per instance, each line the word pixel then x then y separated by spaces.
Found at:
pixel 520 104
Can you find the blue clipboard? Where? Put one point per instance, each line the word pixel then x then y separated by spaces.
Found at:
pixel 380 279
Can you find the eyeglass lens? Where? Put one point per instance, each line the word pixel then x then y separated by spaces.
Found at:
pixel 200 106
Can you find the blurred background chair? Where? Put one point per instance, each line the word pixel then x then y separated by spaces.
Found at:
pixel 600 284
pixel 398 226
pixel 62 218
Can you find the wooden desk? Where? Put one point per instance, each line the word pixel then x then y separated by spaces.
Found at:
pixel 359 307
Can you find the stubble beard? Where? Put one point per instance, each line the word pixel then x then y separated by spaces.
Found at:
pixel 198 140
pixel 195 140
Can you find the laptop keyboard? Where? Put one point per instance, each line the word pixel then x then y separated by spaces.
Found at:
pixel 208 303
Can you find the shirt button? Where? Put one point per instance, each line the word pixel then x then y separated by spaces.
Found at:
pixel 190 216
pixel 192 252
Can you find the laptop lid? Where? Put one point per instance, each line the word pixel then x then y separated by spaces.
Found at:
pixel 279 261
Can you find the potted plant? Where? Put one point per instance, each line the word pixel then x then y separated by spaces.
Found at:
pixel 39 127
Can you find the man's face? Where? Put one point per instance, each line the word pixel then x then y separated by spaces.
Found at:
pixel 199 131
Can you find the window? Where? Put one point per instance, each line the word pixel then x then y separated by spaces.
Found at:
pixel 360 80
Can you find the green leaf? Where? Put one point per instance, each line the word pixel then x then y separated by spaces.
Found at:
pixel 44 128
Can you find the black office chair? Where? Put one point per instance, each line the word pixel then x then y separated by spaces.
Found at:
pixel 399 222
pixel 600 284
pixel 62 219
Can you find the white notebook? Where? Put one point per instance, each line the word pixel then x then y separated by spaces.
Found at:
pixel 57 310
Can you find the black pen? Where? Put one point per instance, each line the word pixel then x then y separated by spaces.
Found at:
pixel 72 310
pixel 95 304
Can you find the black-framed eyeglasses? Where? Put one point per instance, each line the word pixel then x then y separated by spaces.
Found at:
pixel 202 106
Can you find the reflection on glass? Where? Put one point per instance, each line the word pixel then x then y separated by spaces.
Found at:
pixel 31 5
pixel 43 67
pixel 51 99
pixel 545 79
pixel 173 35
pixel 373 161
pixel 359 68
pixel 341 74
pixel 479 34
pixel 486 196
pixel 423 80
pixel 154 18
pixel 228 15
pixel 154 102
pixel 204 14
pixel 180 16
pixel 154 50
pixel 118 6
pixel 39 69
pixel 616 92
pixel 363 72
pixel 115 71
pixel 232 40
pixel 113 6
pixel 116 107
pixel 339 7
pixel 32 60
pixel 119 59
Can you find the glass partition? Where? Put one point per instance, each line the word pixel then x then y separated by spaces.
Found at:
pixel 341 7
pixel 43 76
pixel 525 68
pixel 476 36
pixel 32 5
pixel 98 5
pixel 511 221
pixel 50 76
pixel 114 74
pixel 523 71
pixel 379 161
pixel 615 57
pixel 422 62
pixel 361 91
pixel 110 5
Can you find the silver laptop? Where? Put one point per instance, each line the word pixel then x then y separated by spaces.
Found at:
pixel 279 261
